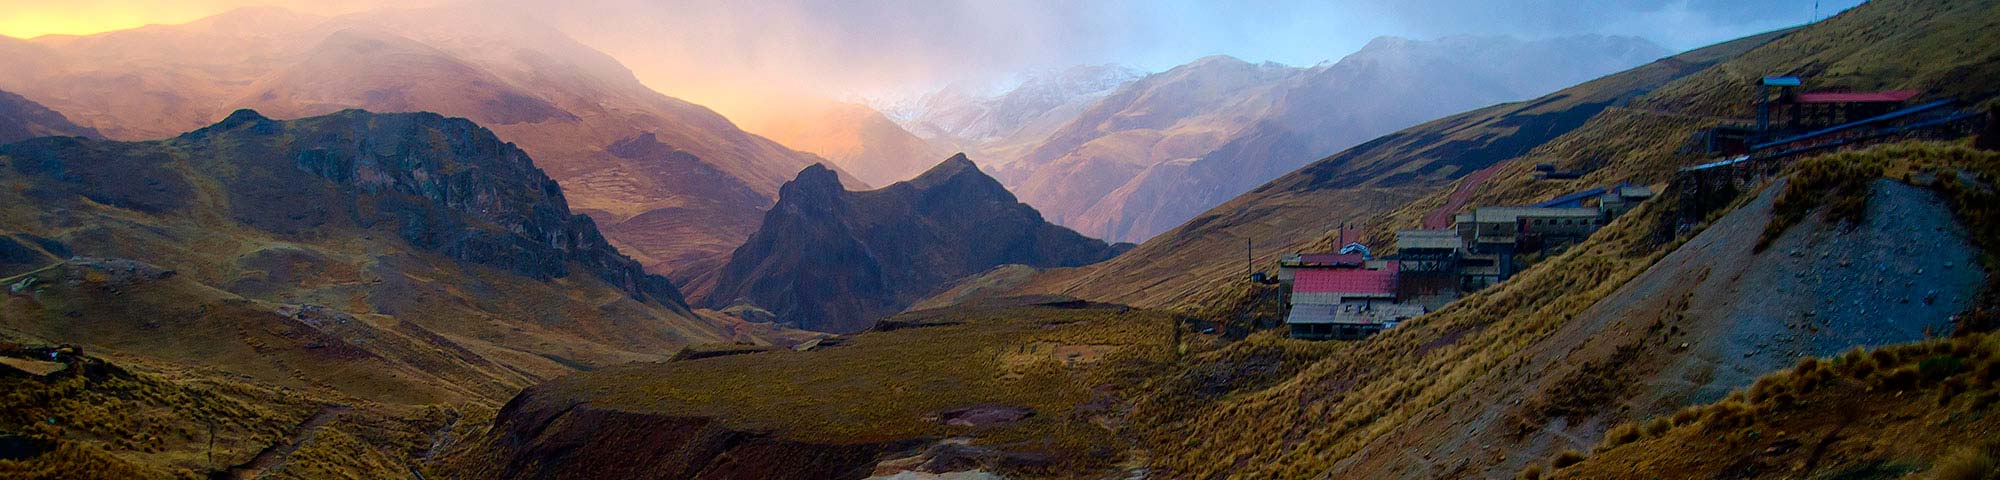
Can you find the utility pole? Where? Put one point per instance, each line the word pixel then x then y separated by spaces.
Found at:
pixel 1249 260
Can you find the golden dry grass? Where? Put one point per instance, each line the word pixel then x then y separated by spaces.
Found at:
pixel 880 386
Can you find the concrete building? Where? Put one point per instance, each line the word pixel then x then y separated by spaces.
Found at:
pixel 1493 235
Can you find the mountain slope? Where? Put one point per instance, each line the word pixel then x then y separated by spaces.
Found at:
pixel 1168 146
pixel 1556 357
pixel 1178 268
pixel 407 258
pixel 834 260
pixel 853 137
pixel 22 119
pixel 564 103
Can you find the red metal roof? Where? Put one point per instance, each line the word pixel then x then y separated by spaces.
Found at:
pixel 1346 280
pixel 1891 96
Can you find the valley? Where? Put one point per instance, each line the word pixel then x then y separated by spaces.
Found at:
pixel 466 241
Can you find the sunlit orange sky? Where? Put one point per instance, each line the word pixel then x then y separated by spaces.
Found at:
pixel 34 18
pixel 741 57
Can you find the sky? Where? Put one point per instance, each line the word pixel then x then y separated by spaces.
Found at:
pixel 742 55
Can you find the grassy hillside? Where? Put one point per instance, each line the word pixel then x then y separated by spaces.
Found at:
pixel 889 393
pixel 1188 265
pixel 148 420
pixel 1885 413
pixel 1524 370
pixel 407 258
pixel 1937 48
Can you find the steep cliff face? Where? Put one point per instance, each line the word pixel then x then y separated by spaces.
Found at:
pixel 22 119
pixel 834 260
pixel 397 257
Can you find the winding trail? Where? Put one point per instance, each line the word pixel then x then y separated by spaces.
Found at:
pixel 276 454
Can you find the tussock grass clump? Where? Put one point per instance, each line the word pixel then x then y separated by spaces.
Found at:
pixel 1566 458
pixel 1966 463
pixel 1926 376
pixel 1622 434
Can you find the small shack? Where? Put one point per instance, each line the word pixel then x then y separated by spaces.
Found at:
pixel 1623 198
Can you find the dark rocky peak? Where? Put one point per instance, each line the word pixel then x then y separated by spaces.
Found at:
pixel 959 180
pixel 242 118
pixel 946 170
pixel 835 260
pixel 816 183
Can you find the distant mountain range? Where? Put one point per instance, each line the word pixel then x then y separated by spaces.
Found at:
pixel 685 188
pixel 830 259
pixel 1156 151
pixel 996 127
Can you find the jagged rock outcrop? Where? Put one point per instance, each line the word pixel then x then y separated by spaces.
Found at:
pixel 22 119
pixel 834 260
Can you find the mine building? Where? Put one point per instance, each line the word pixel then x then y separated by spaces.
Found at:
pixel 1345 303
pixel 1350 294
pixel 1427 272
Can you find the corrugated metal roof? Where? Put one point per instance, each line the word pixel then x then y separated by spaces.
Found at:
pixel 1891 96
pixel 1782 81
pixel 1353 281
pixel 1432 239
pixel 1575 198
pixel 1635 191
pixel 1509 214
pixel 1332 258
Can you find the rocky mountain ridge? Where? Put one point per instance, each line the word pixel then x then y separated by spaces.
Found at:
pixel 830 259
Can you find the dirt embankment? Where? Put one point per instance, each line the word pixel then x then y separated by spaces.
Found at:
pixel 1707 318
pixel 543 435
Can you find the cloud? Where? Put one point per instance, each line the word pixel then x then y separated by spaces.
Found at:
pixel 738 56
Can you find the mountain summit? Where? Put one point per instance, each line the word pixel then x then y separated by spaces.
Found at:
pixel 835 260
